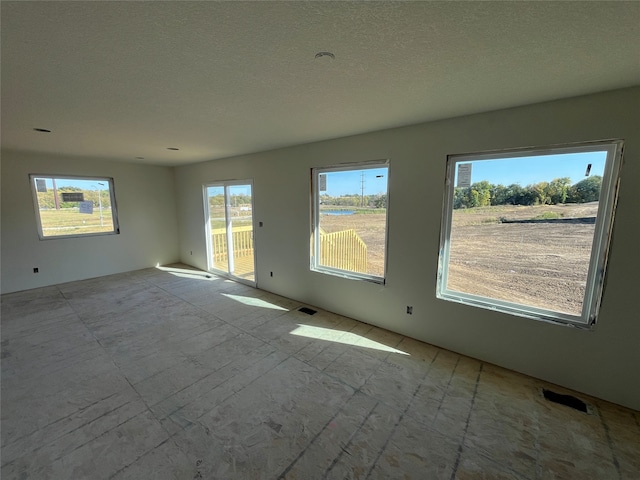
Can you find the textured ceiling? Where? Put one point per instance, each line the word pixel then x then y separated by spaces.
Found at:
pixel 216 79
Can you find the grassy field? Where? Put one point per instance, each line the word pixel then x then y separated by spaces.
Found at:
pixel 69 221
pixel 497 214
pixel 239 218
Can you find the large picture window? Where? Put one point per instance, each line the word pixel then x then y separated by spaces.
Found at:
pixel 68 206
pixel 349 220
pixel 527 231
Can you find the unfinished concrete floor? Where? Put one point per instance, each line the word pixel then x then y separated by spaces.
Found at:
pixel 168 375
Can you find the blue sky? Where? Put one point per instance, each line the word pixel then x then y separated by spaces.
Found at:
pixel 529 170
pixel 240 190
pixel 83 184
pixel 350 182
pixel 521 170
pixel 233 190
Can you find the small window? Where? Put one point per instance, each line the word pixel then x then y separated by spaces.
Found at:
pixel 527 232
pixel 349 220
pixel 70 206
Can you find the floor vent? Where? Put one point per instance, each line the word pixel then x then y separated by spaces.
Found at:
pixel 308 311
pixel 567 400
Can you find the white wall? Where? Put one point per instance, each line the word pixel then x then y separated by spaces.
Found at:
pixel 145 197
pixel 604 362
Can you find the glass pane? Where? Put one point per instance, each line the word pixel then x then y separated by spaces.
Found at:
pixel 217 222
pixel 241 210
pixel 353 220
pixel 523 230
pixel 73 206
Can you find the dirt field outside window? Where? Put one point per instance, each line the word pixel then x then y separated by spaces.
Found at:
pixel 543 263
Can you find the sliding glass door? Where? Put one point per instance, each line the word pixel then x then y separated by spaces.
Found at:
pixel 230 229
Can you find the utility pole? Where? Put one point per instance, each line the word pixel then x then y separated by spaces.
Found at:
pixel 55 194
pixel 100 202
pixel 362 180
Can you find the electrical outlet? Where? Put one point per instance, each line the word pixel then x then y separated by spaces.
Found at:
pixel 35 270
pixel 409 310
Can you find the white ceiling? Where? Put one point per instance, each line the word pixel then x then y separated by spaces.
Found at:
pixel 128 79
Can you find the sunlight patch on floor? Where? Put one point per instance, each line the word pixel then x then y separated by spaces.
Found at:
pixel 339 336
pixel 254 302
pixel 185 273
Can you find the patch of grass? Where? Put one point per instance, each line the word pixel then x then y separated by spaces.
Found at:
pixel 355 210
pixel 485 209
pixel 371 211
pixel 69 221
pixel 547 216
pixel 237 222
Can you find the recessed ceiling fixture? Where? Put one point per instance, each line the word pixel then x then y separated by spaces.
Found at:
pixel 44 130
pixel 172 148
pixel 325 54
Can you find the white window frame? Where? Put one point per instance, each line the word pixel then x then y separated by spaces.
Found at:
pixel 315 220
pixel 112 197
pixel 599 249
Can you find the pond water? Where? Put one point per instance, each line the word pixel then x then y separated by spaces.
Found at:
pixel 338 212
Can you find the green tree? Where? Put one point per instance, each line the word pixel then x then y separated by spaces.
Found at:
pixel 514 195
pixel 92 196
pixel 477 195
pixel 380 201
pixel 499 195
pixel 216 200
pixel 587 190
pixel 559 189
pixel 480 194
pixel 460 198
pixel 541 193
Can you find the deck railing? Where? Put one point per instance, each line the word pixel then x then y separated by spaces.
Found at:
pixel 344 250
pixel 242 243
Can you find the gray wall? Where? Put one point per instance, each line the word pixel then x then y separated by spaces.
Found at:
pixel 604 362
pixel 145 197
